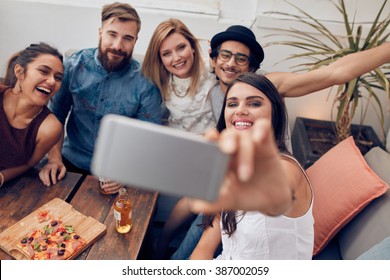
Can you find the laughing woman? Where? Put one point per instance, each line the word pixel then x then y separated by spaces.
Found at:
pixel 27 127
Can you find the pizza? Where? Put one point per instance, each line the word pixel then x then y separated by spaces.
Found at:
pixel 55 241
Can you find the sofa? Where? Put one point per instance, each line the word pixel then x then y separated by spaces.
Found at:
pixel 364 232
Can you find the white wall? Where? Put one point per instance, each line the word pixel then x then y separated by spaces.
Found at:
pixel 69 24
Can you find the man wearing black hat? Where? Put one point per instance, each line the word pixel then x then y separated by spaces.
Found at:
pixel 236 50
pixel 237 42
pixel 240 43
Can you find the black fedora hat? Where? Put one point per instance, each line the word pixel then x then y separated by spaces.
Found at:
pixel 241 34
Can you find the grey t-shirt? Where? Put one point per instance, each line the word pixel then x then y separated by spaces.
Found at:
pixel 217 98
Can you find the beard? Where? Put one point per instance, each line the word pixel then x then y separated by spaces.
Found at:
pixel 112 66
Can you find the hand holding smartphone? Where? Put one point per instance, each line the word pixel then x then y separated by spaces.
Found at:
pixel 158 158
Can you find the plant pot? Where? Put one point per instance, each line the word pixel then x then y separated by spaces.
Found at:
pixel 313 138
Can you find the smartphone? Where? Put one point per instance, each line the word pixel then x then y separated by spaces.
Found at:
pixel 158 158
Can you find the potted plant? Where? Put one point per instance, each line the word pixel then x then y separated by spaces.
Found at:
pixel 322 51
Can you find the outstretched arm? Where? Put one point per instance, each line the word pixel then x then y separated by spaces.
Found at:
pixel 339 72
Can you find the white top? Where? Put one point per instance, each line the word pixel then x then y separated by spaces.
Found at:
pixel 260 237
pixel 190 113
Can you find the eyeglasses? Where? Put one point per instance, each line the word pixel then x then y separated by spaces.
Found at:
pixel 240 59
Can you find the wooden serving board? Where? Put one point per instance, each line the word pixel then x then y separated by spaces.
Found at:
pixel 87 227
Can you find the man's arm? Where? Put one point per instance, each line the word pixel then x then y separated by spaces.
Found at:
pixel 150 109
pixel 339 72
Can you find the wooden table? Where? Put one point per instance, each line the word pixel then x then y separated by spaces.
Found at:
pixel 113 245
pixel 21 196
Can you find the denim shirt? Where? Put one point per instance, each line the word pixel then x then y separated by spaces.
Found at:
pixel 89 92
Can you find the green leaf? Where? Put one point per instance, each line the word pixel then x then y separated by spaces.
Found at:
pixel 47 230
pixel 69 229
pixel 36 246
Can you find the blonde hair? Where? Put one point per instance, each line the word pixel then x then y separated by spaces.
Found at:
pixel 152 66
pixel 121 12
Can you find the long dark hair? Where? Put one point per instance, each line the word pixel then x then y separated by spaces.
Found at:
pixel 279 112
pixel 25 57
pixel 279 123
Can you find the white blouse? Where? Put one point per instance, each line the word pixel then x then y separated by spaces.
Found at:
pixel 261 237
pixel 190 113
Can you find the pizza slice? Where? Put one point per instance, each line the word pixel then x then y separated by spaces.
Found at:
pixel 55 241
pixel 43 216
pixel 67 240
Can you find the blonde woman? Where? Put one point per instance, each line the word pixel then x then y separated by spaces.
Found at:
pixel 173 62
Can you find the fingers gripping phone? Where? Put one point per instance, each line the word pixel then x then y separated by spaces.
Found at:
pixel 158 158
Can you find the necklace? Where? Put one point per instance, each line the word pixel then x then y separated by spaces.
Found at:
pixel 181 91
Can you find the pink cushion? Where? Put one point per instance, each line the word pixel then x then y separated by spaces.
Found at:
pixel 343 185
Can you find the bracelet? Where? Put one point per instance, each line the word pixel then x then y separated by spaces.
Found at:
pixel 2 179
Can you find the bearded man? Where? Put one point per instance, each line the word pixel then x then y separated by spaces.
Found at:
pixel 97 82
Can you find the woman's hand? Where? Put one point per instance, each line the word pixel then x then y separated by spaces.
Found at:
pixel 255 179
pixel 52 172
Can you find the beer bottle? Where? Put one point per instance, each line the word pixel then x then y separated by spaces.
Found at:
pixel 123 212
